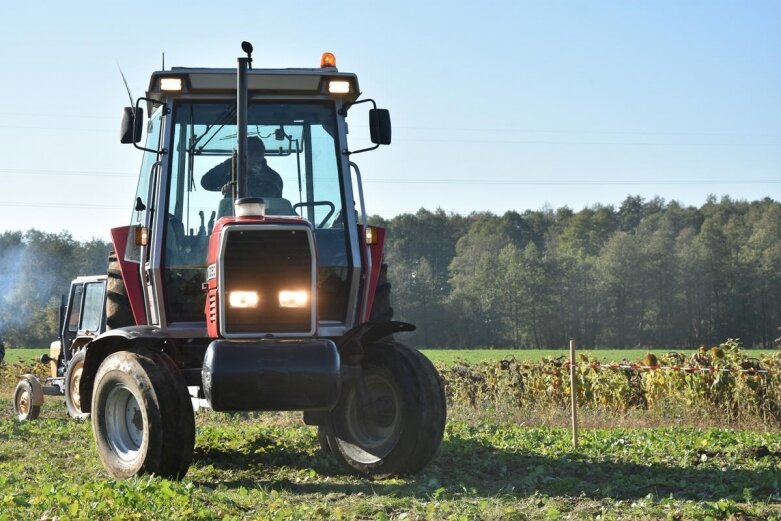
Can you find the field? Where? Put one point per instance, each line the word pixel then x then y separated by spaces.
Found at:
pixel 23 355
pixel 496 462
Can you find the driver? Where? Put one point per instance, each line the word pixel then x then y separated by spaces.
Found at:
pixel 262 180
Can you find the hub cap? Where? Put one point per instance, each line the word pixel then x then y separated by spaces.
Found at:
pixel 74 385
pixel 124 423
pixel 375 428
pixel 23 402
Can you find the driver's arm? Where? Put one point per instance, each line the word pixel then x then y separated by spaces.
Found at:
pixel 217 177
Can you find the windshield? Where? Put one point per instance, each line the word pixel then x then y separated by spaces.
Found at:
pixel 292 160
pixel 292 163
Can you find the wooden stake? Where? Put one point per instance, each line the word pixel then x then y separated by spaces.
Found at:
pixel 573 391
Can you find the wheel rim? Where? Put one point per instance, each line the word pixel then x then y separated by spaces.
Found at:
pixel 73 387
pixel 23 402
pixel 375 430
pixel 124 423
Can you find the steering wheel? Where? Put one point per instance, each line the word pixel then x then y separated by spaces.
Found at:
pixel 329 204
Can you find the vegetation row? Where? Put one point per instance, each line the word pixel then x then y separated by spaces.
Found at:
pixel 723 382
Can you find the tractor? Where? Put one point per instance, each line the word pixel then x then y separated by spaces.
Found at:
pixel 82 317
pixel 249 279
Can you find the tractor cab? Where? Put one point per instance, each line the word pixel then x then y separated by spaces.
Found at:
pixel 293 137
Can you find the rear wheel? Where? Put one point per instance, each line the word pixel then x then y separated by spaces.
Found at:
pixel 72 382
pixel 392 420
pixel 24 400
pixel 142 417
pixel 118 312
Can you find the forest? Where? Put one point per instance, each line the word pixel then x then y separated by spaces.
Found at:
pixel 648 273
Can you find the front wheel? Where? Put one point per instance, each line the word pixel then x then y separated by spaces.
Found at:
pixel 390 421
pixel 142 417
pixel 24 401
pixel 72 382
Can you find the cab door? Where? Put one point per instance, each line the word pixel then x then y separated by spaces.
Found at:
pixel 70 328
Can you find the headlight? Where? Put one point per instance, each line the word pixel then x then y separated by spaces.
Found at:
pixel 293 299
pixel 243 299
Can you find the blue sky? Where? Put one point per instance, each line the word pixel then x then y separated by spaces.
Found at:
pixel 495 105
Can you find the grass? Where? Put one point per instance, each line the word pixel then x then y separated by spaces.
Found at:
pixel 450 356
pixel 14 355
pixel 493 464
pixel 270 467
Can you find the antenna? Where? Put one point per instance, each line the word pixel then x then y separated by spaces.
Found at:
pixel 129 95
pixel 163 60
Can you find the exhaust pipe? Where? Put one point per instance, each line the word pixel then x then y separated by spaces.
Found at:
pixel 241 120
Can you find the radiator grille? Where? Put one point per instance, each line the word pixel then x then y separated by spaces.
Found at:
pixel 267 261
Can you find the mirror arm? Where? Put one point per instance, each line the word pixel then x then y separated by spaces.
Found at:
pixel 348 106
pixel 343 112
pixel 350 152
pixel 135 144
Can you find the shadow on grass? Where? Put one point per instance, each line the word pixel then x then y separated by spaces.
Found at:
pixel 468 467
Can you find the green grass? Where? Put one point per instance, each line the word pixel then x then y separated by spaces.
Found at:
pixel 491 465
pixel 14 355
pixel 270 467
pixel 450 356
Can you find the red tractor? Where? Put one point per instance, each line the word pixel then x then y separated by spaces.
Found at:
pixel 249 279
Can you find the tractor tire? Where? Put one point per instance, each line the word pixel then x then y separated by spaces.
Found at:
pixel 399 427
pixel 23 402
pixel 142 416
pixel 118 312
pixel 72 381
pixel 381 306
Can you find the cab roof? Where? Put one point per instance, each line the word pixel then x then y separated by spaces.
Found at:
pixel 259 81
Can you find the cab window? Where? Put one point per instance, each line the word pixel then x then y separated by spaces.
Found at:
pixel 293 164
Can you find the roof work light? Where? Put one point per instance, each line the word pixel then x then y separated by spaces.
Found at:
pixel 170 84
pixel 338 87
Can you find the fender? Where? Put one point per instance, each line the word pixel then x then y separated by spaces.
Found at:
pixel 80 341
pixel 350 346
pixel 120 339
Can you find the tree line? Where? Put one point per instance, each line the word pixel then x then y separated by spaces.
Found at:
pixel 646 273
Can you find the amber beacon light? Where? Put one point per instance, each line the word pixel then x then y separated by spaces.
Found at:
pixel 327 60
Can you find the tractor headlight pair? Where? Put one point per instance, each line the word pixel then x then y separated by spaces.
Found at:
pixel 250 299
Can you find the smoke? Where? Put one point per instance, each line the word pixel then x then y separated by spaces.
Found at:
pixel 10 274
pixel 29 283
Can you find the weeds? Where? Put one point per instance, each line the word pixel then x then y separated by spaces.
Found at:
pixel 730 397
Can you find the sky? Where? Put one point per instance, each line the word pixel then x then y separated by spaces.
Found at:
pixel 497 105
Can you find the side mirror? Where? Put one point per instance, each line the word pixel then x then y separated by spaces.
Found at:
pixel 380 126
pixel 132 119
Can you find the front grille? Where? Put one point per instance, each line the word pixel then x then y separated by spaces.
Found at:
pixel 267 261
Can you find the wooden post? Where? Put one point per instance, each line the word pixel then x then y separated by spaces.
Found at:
pixel 573 391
